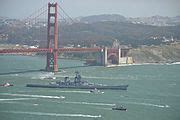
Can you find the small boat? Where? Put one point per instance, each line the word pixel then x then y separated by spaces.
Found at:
pixel 119 108
pixel 96 91
pixel 6 85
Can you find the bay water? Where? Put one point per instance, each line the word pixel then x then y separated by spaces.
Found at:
pixel 153 92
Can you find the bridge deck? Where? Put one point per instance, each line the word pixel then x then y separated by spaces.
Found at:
pixel 29 50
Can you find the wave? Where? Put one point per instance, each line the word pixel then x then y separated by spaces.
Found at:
pixel 176 63
pixel 34 96
pixel 53 114
pixel 14 99
pixel 43 75
pixel 61 91
pixel 137 64
pixel 173 63
pixel 138 98
pixel 74 91
pixel 101 108
pixel 172 84
pixel 148 104
pixel 19 103
pixel 107 104
pixel 88 103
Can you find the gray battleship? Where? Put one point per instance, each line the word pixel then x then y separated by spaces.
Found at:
pixel 78 84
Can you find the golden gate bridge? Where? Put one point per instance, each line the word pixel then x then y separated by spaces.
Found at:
pixel 52 49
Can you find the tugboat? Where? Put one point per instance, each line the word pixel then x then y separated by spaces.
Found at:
pixel 78 84
pixel 119 108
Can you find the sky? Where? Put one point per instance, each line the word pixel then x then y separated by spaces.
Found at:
pixel 76 8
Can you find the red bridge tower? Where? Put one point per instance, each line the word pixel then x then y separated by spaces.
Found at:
pixel 52 38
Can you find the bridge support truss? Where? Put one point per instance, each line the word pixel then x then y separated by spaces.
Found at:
pixel 107 52
pixel 52 38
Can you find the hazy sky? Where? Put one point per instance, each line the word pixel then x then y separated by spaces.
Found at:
pixel 76 8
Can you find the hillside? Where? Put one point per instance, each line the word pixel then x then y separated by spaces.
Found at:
pixel 152 20
pixel 101 30
pixel 104 33
pixel 156 54
pixel 103 17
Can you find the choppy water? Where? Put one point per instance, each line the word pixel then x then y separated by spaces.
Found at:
pixel 153 93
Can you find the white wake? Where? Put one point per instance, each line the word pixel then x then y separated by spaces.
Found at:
pixel 148 104
pixel 53 114
pixel 34 96
pixel 15 99
pixel 88 103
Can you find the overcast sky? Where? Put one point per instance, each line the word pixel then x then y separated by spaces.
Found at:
pixel 76 8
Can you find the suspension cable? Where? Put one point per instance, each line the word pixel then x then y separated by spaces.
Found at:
pixel 63 18
pixel 29 19
pixel 66 13
pixel 36 11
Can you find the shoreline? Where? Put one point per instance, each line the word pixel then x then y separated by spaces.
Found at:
pixel 112 65
pixel 135 64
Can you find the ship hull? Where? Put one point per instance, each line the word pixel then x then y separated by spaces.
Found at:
pixel 118 87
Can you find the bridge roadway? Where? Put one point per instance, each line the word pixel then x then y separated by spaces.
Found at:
pixel 29 50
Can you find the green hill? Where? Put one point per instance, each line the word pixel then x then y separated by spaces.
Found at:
pixel 100 33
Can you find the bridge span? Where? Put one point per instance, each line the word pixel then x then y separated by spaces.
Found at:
pixel 52 49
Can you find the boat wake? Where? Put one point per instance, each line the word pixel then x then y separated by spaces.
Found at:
pixel 176 63
pixel 53 114
pixel 138 98
pixel 61 91
pixel 104 108
pixel 88 103
pixel 19 103
pixel 43 76
pixel 148 104
pixel 15 99
pixel 34 96
pixel 74 91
